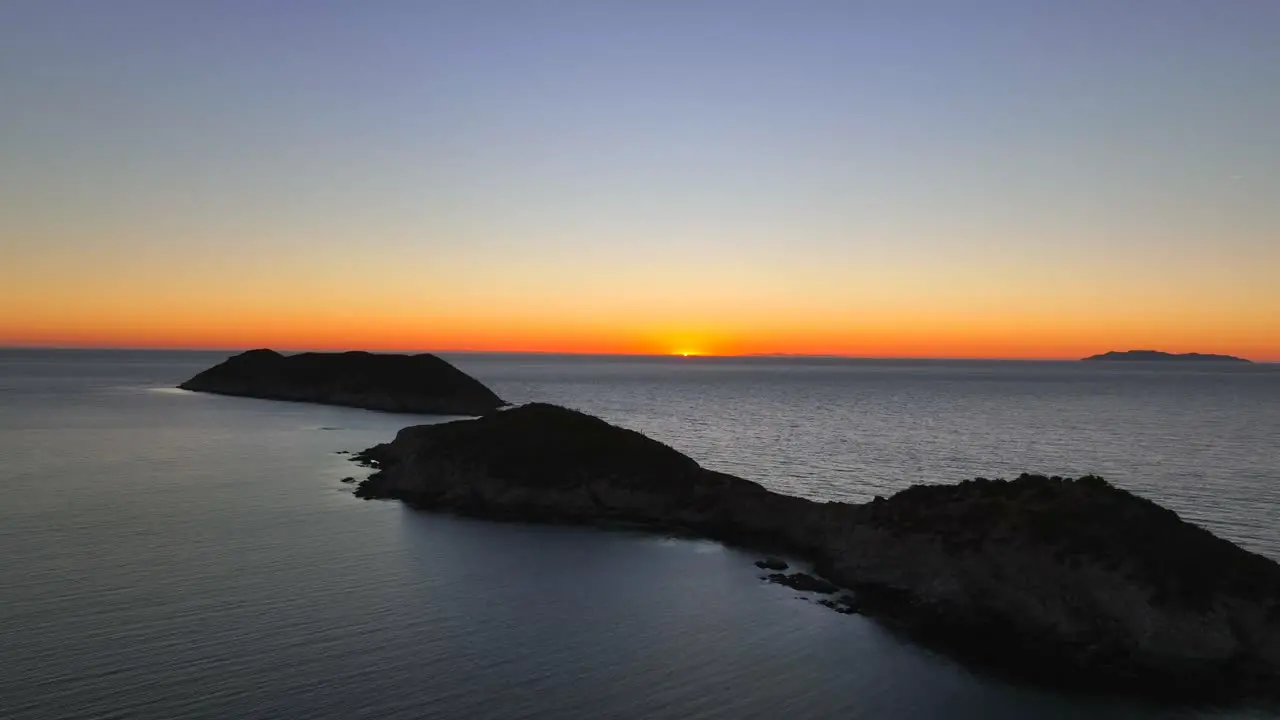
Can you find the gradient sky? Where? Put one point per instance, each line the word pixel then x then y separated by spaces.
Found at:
pixel 982 178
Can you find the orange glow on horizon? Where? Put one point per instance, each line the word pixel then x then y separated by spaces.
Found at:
pixel 989 341
pixel 528 201
pixel 146 316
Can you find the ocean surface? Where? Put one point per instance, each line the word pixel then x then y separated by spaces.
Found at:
pixel 166 554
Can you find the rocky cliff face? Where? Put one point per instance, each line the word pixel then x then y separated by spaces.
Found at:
pixel 1076 576
pixel 1071 572
pixel 394 383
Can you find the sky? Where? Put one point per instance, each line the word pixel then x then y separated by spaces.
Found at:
pixel 958 178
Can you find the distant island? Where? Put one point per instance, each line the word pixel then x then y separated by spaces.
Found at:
pixel 1074 580
pixel 423 384
pixel 1157 356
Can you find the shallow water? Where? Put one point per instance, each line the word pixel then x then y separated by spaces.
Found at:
pixel 167 554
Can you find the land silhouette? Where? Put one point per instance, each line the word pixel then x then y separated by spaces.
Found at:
pixel 1084 581
pixel 423 384
pixel 1158 356
pixel 1075 577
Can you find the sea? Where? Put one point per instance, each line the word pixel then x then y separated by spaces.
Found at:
pixel 167 554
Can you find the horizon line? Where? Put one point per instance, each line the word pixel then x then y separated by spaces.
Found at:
pixel 690 356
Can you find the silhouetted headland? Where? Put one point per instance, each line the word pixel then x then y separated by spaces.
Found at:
pixel 1157 356
pixel 394 383
pixel 1077 578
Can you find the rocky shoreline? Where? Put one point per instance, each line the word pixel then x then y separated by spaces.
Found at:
pixel 423 384
pixel 1085 581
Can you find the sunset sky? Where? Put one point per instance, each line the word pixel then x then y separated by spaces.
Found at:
pixel 982 178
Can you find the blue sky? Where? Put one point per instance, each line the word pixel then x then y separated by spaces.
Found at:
pixel 679 164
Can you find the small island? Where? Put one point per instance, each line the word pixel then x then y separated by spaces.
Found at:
pixel 423 384
pixel 1158 356
pixel 1076 578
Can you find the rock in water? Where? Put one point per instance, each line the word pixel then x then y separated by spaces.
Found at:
pixel 1075 577
pixel 804 582
pixel 394 383
pixel 845 604
pixel 772 563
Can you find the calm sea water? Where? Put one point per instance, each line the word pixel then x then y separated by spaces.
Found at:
pixel 170 555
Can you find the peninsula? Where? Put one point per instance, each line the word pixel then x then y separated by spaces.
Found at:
pixel 1077 578
pixel 422 383
pixel 1157 356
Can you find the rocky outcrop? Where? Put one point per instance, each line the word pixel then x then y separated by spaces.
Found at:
pixel 422 383
pixel 804 582
pixel 1076 577
pixel 1068 573
pixel 1158 356
pixel 845 604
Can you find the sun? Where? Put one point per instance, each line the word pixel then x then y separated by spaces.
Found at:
pixel 686 353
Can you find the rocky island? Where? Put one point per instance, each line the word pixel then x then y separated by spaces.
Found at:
pixel 1158 356
pixel 421 383
pixel 1075 577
